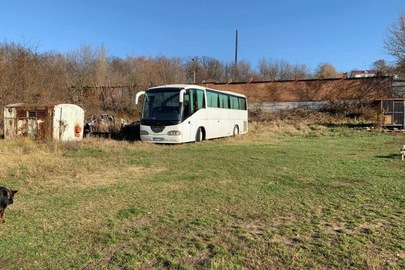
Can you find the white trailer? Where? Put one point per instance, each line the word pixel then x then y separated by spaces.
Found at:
pixel 44 122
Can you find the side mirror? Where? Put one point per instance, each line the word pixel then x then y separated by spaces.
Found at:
pixel 181 95
pixel 138 95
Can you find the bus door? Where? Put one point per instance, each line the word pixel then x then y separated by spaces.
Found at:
pixel 192 115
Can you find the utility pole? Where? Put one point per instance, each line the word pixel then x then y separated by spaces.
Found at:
pixel 236 55
pixel 193 69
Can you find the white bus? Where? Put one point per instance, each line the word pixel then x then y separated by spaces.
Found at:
pixel 182 113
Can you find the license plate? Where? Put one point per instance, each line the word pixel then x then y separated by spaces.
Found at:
pixel 158 139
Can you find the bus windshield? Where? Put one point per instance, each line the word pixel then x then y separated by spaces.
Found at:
pixel 162 106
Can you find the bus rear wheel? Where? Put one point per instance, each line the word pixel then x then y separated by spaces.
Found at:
pixel 199 135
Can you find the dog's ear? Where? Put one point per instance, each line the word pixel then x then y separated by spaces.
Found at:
pixel 14 192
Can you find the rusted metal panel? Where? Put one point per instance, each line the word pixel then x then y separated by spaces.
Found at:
pixel 44 122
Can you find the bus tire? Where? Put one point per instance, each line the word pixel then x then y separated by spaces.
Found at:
pixel 199 136
pixel 235 130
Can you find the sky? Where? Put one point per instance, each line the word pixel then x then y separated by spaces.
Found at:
pixel 347 34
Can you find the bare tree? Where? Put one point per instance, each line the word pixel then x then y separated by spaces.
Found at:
pixel 285 70
pixel 326 70
pixel 281 70
pixel 383 67
pixel 27 76
pixel 170 70
pixel 211 69
pixel 268 69
pixel 79 66
pixel 119 72
pixel 394 43
pixel 244 71
pixel 51 79
pixel 99 67
pixel 300 72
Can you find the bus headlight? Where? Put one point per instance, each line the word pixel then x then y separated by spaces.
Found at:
pixel 174 133
pixel 144 132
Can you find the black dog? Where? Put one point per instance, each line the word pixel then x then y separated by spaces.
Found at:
pixel 6 198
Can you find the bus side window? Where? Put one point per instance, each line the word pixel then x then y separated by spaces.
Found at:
pixel 200 99
pixel 196 100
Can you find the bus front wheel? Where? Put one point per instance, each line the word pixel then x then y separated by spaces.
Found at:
pixel 200 135
pixel 235 130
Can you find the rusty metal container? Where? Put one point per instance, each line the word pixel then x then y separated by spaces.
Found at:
pixel 44 122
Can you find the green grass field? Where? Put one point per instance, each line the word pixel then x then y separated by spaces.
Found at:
pixel 279 197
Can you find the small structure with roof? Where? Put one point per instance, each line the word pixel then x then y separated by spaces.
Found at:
pixel 391 112
pixel 44 122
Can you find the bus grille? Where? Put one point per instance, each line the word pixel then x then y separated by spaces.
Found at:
pixel 157 129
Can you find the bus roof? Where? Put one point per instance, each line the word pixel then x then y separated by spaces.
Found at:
pixel 194 86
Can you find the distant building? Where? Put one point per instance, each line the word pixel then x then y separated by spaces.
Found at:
pixel 363 73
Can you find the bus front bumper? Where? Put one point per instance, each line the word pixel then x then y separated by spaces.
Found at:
pixel 161 139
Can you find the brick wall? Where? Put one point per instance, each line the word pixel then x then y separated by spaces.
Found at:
pixel 365 89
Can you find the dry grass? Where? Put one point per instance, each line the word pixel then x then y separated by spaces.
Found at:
pixel 286 195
